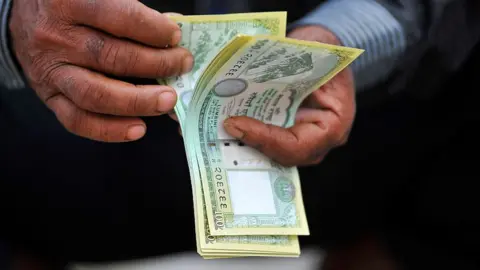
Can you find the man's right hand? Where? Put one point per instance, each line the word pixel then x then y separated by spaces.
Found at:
pixel 65 47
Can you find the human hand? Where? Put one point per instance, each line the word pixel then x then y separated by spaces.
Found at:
pixel 322 123
pixel 66 46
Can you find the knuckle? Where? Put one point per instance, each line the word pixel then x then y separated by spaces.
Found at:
pixel 46 53
pixel 45 70
pixel 84 94
pixel 41 36
pixel 117 58
pixel 109 56
pixel 134 104
pixel 69 86
pixel 44 93
pixel 95 45
pixel 91 97
pixel 38 70
pixel 165 66
pixel 64 8
pixel 50 33
pixel 132 58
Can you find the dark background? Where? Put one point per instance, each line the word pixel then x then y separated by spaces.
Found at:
pixel 406 176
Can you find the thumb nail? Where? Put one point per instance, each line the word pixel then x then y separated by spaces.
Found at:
pixel 233 130
pixel 136 132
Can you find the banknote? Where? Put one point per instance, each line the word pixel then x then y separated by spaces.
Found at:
pixel 205 35
pixel 266 78
pixel 245 204
pixel 209 246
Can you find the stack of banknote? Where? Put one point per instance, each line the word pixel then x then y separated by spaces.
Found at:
pixel 246 204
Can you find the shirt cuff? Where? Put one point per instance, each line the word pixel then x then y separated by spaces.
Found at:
pixel 367 25
pixel 10 76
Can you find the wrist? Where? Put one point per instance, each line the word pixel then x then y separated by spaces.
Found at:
pixel 315 33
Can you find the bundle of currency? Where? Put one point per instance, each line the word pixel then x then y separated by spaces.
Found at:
pixel 244 203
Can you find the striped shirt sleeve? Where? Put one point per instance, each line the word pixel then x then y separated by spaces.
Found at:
pixel 364 24
pixel 10 76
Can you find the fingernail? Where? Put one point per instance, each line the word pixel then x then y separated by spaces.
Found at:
pixel 176 37
pixel 135 132
pixel 233 130
pixel 166 101
pixel 187 64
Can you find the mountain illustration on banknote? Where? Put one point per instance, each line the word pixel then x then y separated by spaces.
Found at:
pixel 283 62
pixel 207 43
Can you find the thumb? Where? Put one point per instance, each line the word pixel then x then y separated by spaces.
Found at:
pixel 298 145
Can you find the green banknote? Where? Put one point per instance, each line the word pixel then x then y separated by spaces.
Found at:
pixel 246 205
pixel 266 78
pixel 206 35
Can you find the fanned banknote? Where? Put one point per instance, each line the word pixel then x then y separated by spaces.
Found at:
pixel 205 36
pixel 266 78
pixel 246 205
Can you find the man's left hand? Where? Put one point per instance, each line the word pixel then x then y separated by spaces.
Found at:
pixel 322 123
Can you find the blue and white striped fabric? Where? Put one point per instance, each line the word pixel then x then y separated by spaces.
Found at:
pixel 9 74
pixel 363 24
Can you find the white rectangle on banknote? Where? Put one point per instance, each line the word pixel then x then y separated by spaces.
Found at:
pixel 251 192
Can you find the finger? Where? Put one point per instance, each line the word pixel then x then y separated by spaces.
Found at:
pixel 107 54
pixel 96 93
pixel 95 126
pixel 300 144
pixel 319 117
pixel 332 109
pixel 338 95
pixel 127 19
pixel 325 119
